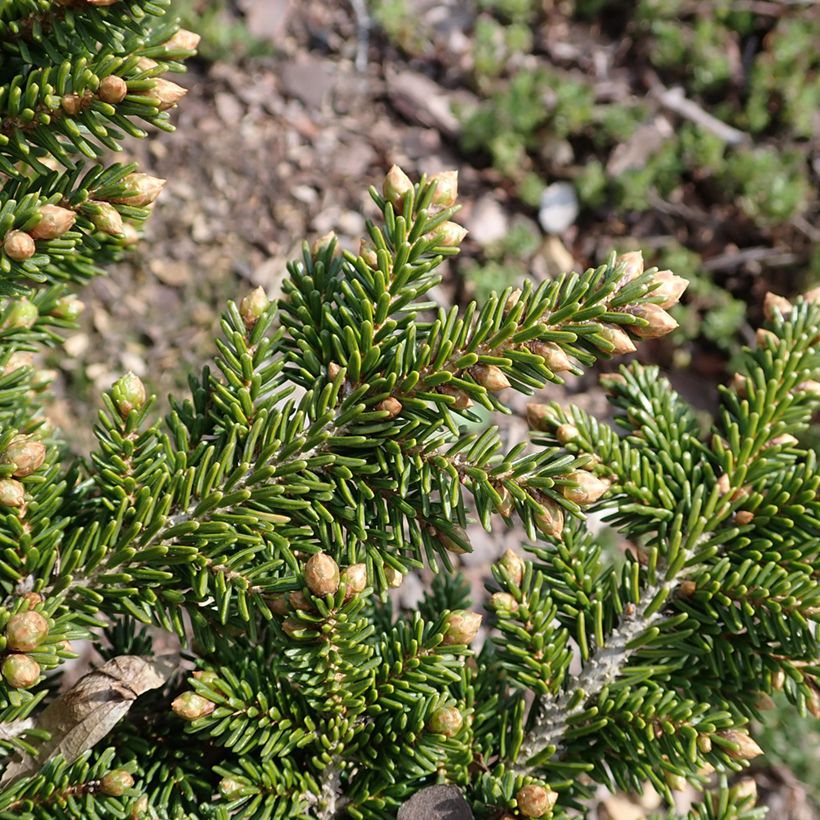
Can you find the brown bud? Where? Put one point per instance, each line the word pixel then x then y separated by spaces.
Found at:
pixel 813 702
pixel 540 417
pixel 140 808
pixel 461 401
pixel 738 384
pixel 291 627
pixel 324 241
pixel 809 386
pixel 140 190
pixel 446 721
pixel 393 577
pixel 550 518
pixel 106 218
pixel 611 381
pixel 298 600
pixel 113 89
pixel 554 357
pixel 747 748
pixel 446 191
pixel 813 296
pixel 190 706
pixel 101 2
pixel 208 677
pixel 25 631
pixel 490 377
pixel 19 246
pixel 629 265
pixel 513 565
pixel 54 222
pixel 778 680
pixel 688 588
pixel 354 578
pixel 774 304
pixel 396 185
pixel 146 64
pixel 17 360
pixel 130 235
pixel 166 93
pixel 659 322
pixel 183 40
pixel 450 234
pixel 744 789
pixel 535 800
pixel 724 484
pixel 21 671
pixel 783 440
pixel 462 627
pixel 454 545
pixel 765 338
pixel 12 493
pixel 391 406
pixel 333 370
pixel 744 517
pixel 368 253
pixel 588 487
pixel 322 574
pixel 116 783
pixel 620 341
pixel 33 599
pixel 566 433
pixel 26 454
pixel 252 306
pixel 669 288
pixel 512 300
pixel 763 702
pixel 72 104
pixel 503 602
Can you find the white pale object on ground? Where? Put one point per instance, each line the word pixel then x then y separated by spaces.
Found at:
pixel 559 207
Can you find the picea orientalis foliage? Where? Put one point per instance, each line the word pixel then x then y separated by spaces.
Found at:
pixel 326 455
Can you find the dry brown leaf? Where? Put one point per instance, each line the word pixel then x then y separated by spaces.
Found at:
pixel 87 712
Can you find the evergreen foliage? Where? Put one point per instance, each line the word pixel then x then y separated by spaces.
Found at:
pixel 324 456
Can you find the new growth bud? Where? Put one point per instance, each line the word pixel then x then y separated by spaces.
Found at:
pixel 128 394
pixel 554 358
pixel 462 627
pixel 106 218
pixel 446 721
pixel 23 314
pixel 513 565
pixel 747 748
pixel 116 783
pixel 450 234
pixel 565 433
pixel 12 493
pixel 629 265
pixel 26 454
pixel 539 417
pixel 354 578
pixel 322 574
pixel 587 489
pixel 190 706
pixel 54 222
pixel 21 671
pixel 620 341
pixel 390 405
pixel 503 602
pixel 113 89
pixel 183 40
pixel 140 190
pixel 446 191
pixel 669 288
pixel 396 185
pixel 774 304
pixel 166 93
pixel 252 306
pixel 659 322
pixel 19 246
pixel 550 518
pixel 230 788
pixel 25 631
pixel 535 800
pixel 393 577
pixel 490 377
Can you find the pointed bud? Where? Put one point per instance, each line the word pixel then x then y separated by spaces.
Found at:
pixel 535 800
pixel 20 671
pixel 328 240
pixel 462 627
pixel 252 306
pixel 587 490
pixel 23 314
pixel 813 702
pixel 744 517
pixel 322 574
pixel 130 235
pixel 183 40
pixel 26 454
pixel 554 358
pixel 116 783
pixel 745 789
pixel 669 288
pixel 333 371
pixel 368 253
pixel 629 266
pixel 33 599
pixel 354 578
pixel 688 588
pixel 393 577
pixel 550 518
pixel 446 721
pixel 106 218
pixel 455 545
pixel 513 565
pixel 747 748
pixel 25 631
pixel 166 93
pixel 566 433
pixel 54 222
pixel 298 600
pixel 676 782
pixel 620 340
pixel 391 406
pixel 704 744
pixel 18 360
pixel 540 417
pixel 659 322
pixel 783 440
pixel 778 680
pixel 450 234
pixel 763 702
pixel 19 246
pixel 611 381
pixel 812 296
pixel 446 191
pixel 139 811
pixel 146 64
pixel 738 384
pixel 229 788
pixel 503 602
pixel 278 604
pixel 113 89
pixel 512 300
pixel 292 628
pixel 190 706
pixel 505 505
pixel 12 493
pixel 774 305
pixel 207 677
pixel 490 377
pixel 765 338
pixel 396 185
pixel 69 308
pixel 724 484
pixel 72 104
pixel 140 190
pixel 810 386
pixel 128 394
pixel 461 401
